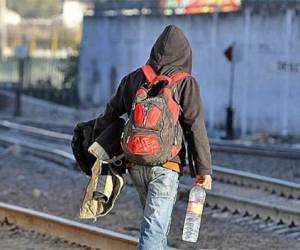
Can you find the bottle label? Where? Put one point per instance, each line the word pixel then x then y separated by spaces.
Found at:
pixel 195 207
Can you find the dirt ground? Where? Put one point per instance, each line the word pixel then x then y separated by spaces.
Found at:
pixel 44 186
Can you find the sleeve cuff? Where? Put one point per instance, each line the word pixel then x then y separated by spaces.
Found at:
pixel 98 151
pixel 202 171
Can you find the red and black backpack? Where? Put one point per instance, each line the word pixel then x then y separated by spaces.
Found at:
pixel 152 135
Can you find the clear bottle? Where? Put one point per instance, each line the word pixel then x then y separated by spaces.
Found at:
pixel 193 214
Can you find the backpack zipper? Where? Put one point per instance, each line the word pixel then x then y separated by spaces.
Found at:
pixel 146 107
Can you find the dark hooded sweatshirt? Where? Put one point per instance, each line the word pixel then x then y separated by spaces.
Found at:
pixel 171 53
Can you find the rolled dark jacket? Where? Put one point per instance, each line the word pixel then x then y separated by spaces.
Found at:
pixel 171 53
pixel 108 138
pixel 81 141
pixel 106 181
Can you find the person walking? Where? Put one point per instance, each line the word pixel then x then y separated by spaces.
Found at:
pixel 157 184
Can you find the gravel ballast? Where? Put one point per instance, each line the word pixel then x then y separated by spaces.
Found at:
pixel 44 186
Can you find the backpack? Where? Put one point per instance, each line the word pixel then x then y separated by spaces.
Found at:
pixel 152 134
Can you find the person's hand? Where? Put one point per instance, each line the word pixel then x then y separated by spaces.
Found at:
pixel 204 181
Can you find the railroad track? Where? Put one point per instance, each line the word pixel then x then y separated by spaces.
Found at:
pixel 49 125
pixel 274 151
pixel 62 132
pixel 269 202
pixel 282 209
pixel 242 178
pixel 55 155
pixel 69 232
pixel 35 131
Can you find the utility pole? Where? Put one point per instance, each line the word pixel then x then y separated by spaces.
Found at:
pixel 18 106
pixel 229 53
pixel 3 33
pixel 22 54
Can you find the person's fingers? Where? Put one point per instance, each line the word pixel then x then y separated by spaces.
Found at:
pixel 198 180
pixel 207 183
pixel 204 181
pixel 201 183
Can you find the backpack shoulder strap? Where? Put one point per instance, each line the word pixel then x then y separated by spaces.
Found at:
pixel 178 76
pixel 149 73
pixel 151 76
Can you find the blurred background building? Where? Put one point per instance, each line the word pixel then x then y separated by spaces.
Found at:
pixel 51 29
pixel 80 49
pixel 164 7
pixel 265 35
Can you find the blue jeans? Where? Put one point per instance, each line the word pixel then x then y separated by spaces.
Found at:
pixel 157 189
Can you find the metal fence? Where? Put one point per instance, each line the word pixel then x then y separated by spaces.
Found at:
pixel 49 79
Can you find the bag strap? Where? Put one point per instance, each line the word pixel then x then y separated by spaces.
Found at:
pixel 178 76
pixel 152 77
pixel 149 73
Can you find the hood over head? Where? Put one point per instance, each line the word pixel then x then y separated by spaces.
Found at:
pixel 171 52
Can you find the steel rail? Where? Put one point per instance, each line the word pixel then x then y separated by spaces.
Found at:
pixel 280 187
pixel 279 214
pixel 36 131
pixel 67 229
pixel 290 189
pixel 275 151
pixel 257 150
pixel 37 123
pixel 273 185
pixel 55 155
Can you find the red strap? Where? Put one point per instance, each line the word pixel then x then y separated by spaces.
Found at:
pixel 152 77
pixel 163 78
pixel 149 73
pixel 178 76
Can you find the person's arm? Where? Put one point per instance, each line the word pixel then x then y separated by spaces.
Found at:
pixel 192 121
pixel 85 133
pixel 113 110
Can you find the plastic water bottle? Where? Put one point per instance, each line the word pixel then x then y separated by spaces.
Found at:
pixel 193 214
